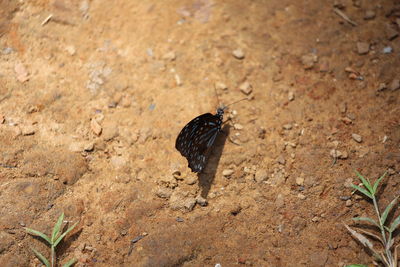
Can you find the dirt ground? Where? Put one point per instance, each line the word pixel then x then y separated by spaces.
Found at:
pixel 94 93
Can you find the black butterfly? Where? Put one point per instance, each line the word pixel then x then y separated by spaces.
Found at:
pixel 197 137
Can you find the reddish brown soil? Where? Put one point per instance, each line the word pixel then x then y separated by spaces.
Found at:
pixel 115 64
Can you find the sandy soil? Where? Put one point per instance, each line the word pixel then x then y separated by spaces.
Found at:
pixel 94 93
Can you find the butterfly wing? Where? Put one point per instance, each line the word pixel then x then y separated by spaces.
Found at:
pixel 195 139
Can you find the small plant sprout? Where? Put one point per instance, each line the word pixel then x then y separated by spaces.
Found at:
pixel 53 241
pixel 388 254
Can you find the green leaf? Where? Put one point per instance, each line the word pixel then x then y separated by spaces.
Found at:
pixel 56 229
pixel 41 257
pixel 394 224
pixel 64 234
pixel 387 210
pixel 37 233
pixel 377 183
pixel 362 190
pixel 366 219
pixel 365 182
pixel 70 262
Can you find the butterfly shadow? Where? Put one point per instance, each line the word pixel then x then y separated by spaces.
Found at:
pixel 206 178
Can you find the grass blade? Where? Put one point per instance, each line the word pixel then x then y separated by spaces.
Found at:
pixel 365 182
pixel 70 262
pixel 395 224
pixel 366 219
pixel 37 233
pixel 365 242
pixel 372 235
pixel 377 182
pixel 387 210
pixel 41 257
pixel 362 190
pixel 64 234
pixel 56 229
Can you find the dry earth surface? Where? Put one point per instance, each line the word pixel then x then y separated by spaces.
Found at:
pixel 94 93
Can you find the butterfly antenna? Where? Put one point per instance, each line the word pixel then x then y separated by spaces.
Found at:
pixel 246 98
pixel 216 94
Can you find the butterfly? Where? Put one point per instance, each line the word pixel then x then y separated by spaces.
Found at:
pixel 196 139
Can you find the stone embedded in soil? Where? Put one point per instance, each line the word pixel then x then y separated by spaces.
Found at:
pixel 220 86
pixel 362 48
pixel 170 56
pixel 288 126
pixel 349 203
pixel 163 192
pixel 110 131
pixel 290 96
pixel 309 60
pixel 178 201
pixel 191 180
pixel 281 160
pixel 28 130
pixel 246 88
pixel 369 14
pixel 21 72
pixel 238 126
pixel 201 201
pixel 238 53
pixel 227 172
pixel 301 196
pixel 261 175
pixel 88 146
pixel 356 137
pixel 300 181
pixel 95 126
pixel 394 85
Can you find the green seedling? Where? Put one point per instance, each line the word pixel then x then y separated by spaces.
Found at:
pixel 53 241
pixel 388 254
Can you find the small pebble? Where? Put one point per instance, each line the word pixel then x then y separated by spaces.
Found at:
pixel 70 49
pixel 246 88
pixel 88 146
pixel 288 126
pixel 301 196
pixel 300 181
pixel 238 126
pixel 261 175
pixel 362 48
pixel 179 219
pixel 2 119
pixel 171 56
pixel 21 72
pixel 281 160
pixel 28 130
pixel 309 60
pixel 394 85
pixel 220 86
pixel 227 172
pixel 349 203
pixel 387 50
pixel 369 14
pixel 238 53
pixel 315 219
pixel 357 137
pixel 95 126
pixel 382 86
pixel 7 50
pixel 201 201
pixel 178 80
pixel 290 96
